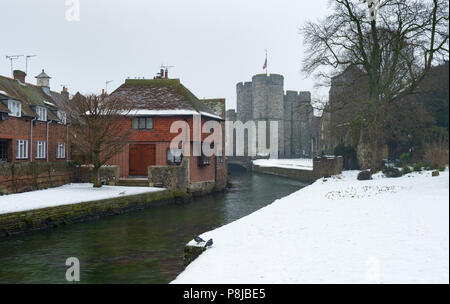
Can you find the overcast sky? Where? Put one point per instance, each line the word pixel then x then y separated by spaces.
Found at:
pixel 213 44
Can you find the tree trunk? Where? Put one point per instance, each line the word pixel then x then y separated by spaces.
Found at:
pixel 377 156
pixel 96 177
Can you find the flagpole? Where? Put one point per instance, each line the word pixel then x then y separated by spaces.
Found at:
pixel 267 65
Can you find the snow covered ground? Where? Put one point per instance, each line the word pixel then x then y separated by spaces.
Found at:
pixel 65 195
pixel 338 230
pixel 299 164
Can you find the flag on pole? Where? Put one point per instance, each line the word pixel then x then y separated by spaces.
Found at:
pixel 265 63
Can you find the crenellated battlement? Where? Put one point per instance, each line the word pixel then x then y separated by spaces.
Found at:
pixel 244 85
pixel 264 98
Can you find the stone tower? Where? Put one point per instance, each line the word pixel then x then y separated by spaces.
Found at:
pixel 263 99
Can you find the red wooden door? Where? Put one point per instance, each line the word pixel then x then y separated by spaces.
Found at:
pixel 141 156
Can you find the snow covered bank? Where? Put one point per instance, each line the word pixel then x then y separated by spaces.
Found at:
pixel 338 230
pixel 65 195
pixel 299 164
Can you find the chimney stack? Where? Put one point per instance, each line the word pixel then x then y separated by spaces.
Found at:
pixel 103 92
pixel 19 75
pixel 166 74
pixel 65 93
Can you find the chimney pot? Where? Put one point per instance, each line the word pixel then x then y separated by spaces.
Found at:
pixel 19 75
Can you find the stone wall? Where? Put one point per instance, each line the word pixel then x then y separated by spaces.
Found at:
pixel 327 166
pixel 38 219
pixel 322 167
pixel 170 177
pixel 28 176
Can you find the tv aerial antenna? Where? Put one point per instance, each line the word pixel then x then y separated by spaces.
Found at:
pixel 106 85
pixel 26 62
pixel 11 58
pixel 166 69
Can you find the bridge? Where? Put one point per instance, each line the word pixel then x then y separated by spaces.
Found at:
pixel 240 161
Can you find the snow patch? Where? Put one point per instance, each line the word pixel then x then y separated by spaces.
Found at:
pixel 65 195
pixel 395 232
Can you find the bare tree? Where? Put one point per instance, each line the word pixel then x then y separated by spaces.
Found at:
pixel 99 128
pixel 394 48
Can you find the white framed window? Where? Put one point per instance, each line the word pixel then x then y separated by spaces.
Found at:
pixel 42 113
pixel 174 156
pixel 21 149
pixel 40 149
pixel 62 116
pixel 15 107
pixel 61 150
pixel 142 123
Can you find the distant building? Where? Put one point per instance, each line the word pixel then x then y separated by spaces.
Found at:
pixel 157 104
pixel 264 99
pixel 32 126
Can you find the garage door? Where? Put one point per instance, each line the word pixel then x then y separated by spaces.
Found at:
pixel 141 156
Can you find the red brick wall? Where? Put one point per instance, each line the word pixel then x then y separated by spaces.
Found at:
pixel 160 136
pixel 19 128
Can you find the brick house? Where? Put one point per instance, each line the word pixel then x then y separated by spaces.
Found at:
pixel 157 104
pixel 32 129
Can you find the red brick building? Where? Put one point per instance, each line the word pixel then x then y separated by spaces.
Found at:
pixel 157 104
pixel 32 129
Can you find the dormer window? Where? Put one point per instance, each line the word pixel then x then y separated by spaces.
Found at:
pixel 15 107
pixel 42 113
pixel 62 116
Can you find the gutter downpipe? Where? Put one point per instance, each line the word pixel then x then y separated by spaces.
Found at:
pixel 31 139
pixel 67 142
pixel 46 144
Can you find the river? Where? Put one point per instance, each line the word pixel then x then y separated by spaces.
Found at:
pixel 140 247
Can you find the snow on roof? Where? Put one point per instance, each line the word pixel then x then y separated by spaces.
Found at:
pixel 141 112
pixel 49 103
pixel 3 93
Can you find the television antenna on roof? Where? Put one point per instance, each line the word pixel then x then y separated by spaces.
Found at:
pixel 11 58
pixel 106 85
pixel 26 62
pixel 166 69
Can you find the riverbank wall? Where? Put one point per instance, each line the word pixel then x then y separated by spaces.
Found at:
pixel 51 217
pixel 322 167
pixel 29 176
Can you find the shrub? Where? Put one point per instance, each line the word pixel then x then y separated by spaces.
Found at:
pixel 406 170
pixel 392 172
pixel 405 158
pixel 364 175
pixel 436 146
pixel 441 168
pixel 417 167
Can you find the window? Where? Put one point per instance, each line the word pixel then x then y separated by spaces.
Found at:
pixel 142 123
pixel 15 107
pixel 62 116
pixel 3 151
pixel 61 150
pixel 21 149
pixel 40 149
pixel 174 156
pixel 42 113
pixel 204 160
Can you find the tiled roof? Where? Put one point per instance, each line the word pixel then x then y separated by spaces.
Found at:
pixel 31 95
pixel 160 94
pixel 217 105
